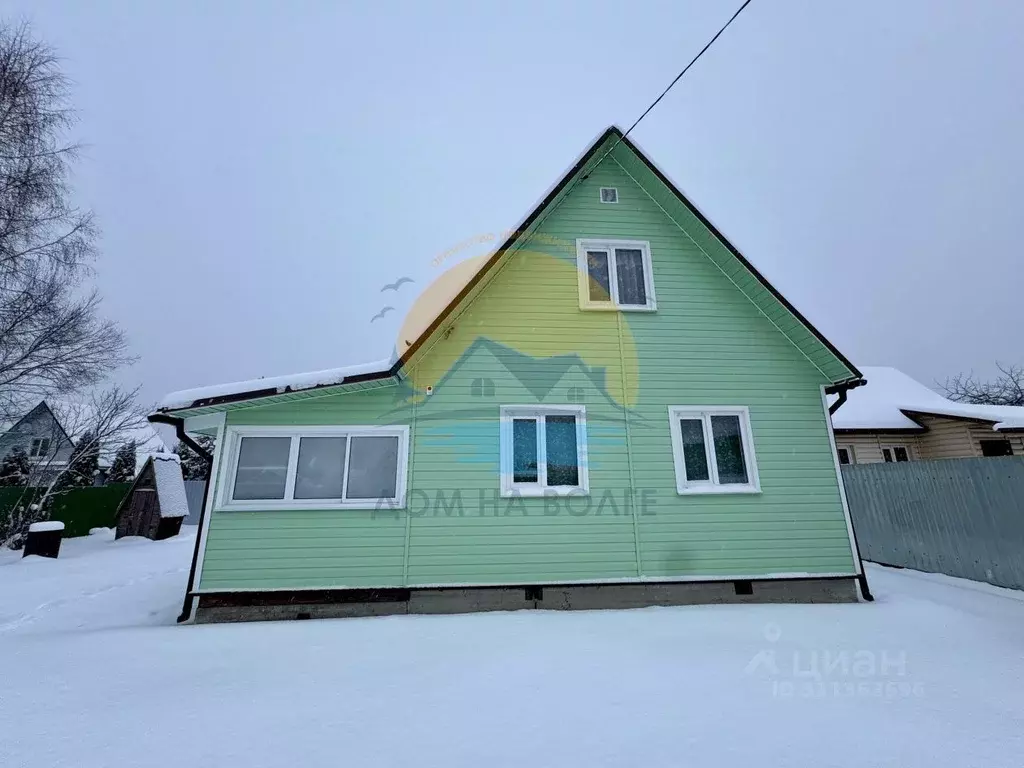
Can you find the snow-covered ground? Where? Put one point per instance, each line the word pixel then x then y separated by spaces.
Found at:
pixel 93 672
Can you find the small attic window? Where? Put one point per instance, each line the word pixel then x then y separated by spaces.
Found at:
pixel 609 195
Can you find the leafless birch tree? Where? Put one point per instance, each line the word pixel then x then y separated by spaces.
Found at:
pixel 52 337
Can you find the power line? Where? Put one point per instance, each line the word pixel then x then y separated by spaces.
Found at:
pixel 687 67
pixel 674 81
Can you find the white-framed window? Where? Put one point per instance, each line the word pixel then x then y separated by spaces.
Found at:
pixel 544 450
pixel 321 467
pixel 615 274
pixel 846 454
pixel 895 453
pixel 713 449
pixel 40 447
pixel 609 195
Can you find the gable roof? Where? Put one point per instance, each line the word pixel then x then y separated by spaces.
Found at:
pixel 612 144
pixel 169 483
pixel 41 406
pixel 891 399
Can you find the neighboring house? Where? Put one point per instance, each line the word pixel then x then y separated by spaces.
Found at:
pixel 615 408
pixel 40 434
pixel 894 418
pixel 49 447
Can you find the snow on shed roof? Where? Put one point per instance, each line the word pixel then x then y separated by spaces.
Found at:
pixel 170 487
pixel 890 395
pixel 289 383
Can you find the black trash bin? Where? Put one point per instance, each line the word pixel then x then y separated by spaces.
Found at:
pixel 44 539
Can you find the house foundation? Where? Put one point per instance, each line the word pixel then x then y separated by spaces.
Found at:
pixel 342 603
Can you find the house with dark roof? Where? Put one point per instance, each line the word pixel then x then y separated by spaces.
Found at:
pixel 614 408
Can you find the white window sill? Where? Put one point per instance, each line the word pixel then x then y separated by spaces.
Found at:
pixel 613 308
pixel 718 490
pixel 537 492
pixel 311 506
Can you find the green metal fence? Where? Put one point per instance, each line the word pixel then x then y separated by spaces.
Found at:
pixel 79 509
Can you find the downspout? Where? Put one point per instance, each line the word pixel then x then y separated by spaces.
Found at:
pixel 183 436
pixel 841 390
pixel 838 403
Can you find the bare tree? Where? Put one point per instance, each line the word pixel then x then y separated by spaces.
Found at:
pixel 98 424
pixel 52 339
pixel 1007 389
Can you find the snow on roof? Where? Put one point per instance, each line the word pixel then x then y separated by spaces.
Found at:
pixel 170 487
pixel 889 393
pixel 290 383
pixel 46 525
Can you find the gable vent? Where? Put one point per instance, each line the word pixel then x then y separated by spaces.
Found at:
pixel 609 195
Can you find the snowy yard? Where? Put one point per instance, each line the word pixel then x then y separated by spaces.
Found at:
pixel 94 673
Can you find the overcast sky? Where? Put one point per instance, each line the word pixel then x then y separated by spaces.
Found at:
pixel 261 168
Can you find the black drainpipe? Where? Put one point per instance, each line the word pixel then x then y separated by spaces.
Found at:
pixel 183 436
pixel 865 591
pixel 836 405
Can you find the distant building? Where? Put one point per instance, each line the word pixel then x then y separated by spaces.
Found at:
pixel 40 434
pixel 895 418
pixel 49 446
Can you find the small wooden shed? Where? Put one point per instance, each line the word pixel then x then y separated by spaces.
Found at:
pixel 156 503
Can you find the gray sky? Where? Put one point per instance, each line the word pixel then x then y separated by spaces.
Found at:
pixel 261 168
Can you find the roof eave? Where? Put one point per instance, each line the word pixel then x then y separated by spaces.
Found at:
pixel 238 398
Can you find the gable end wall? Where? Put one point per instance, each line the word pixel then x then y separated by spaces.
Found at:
pixel 707 344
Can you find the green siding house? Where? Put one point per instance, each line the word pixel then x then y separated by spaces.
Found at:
pixel 615 409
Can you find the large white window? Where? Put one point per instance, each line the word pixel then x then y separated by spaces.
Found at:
pixel 315 467
pixel 543 450
pixel 615 274
pixel 713 450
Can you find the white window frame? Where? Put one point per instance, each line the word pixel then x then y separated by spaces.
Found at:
pixel 891 447
pixel 42 454
pixel 848 447
pixel 704 413
pixel 233 444
pixel 511 412
pixel 600 195
pixel 587 244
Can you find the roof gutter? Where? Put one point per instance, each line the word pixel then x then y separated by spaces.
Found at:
pixel 183 436
pixel 841 389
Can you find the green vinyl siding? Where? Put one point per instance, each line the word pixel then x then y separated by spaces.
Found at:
pixel 708 343
pixel 276 549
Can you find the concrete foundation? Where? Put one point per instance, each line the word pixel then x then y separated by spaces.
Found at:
pixel 288 606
